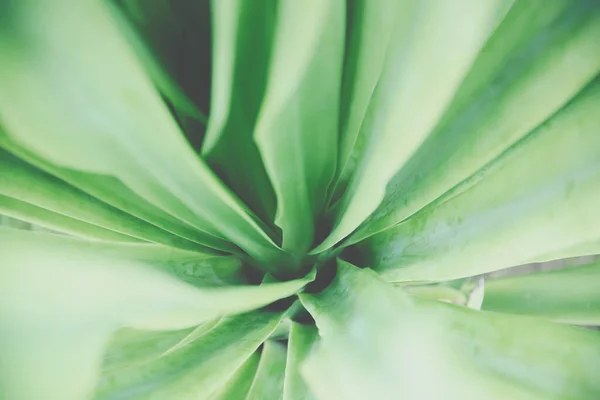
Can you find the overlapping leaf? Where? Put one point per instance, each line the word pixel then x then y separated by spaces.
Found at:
pixel 430 52
pixel 297 127
pixel 270 374
pixel 567 295
pixel 242 44
pixel 94 126
pixel 539 57
pixel 111 191
pixel 378 343
pixel 196 370
pixel 25 183
pixel 302 340
pixel 540 196
pixel 237 387
pixel 59 305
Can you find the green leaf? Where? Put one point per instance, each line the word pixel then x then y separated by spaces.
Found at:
pixel 172 39
pixel 297 128
pixel 238 386
pixel 540 56
pixel 581 249
pixel 26 183
pixel 302 340
pixel 47 254
pixel 437 292
pixel 268 381
pixel 431 50
pixel 112 191
pixel 243 33
pixel 377 342
pixel 568 295
pixel 108 119
pixel 197 370
pixel 540 196
pixel 126 250
pixel 60 303
pixel 369 29
pixel 39 216
pixel 129 348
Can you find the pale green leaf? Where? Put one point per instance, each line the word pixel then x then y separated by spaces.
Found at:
pixel 438 292
pixel 107 118
pixel 172 39
pixel 268 381
pixel 242 42
pixel 238 386
pixel 297 127
pixel 569 295
pixel 540 196
pixel 39 216
pixel 539 57
pixel 126 250
pixel 26 183
pixel 111 191
pixel 301 341
pixel 133 347
pixel 377 342
pixel 196 370
pixel 579 250
pixel 431 50
pixel 59 304
pixel 370 26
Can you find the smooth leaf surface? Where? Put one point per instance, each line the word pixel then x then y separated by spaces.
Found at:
pixel 542 54
pixel 269 378
pixel 297 127
pixel 59 304
pixel 26 212
pixel 26 183
pixel 369 29
pixel 173 40
pixel 539 197
pixel 129 132
pixel 243 34
pixel 579 250
pixel 129 348
pixel 302 340
pixel 237 387
pixel 431 51
pixel 113 192
pixel 197 370
pixel 376 342
pixel 568 295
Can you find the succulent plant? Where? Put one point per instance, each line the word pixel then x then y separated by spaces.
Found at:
pixel 298 199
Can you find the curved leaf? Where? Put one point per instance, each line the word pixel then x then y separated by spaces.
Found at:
pixel 23 182
pixel 59 304
pixel 172 40
pixel 197 370
pixel 540 56
pixel 377 342
pixel 431 50
pixel 297 127
pixel 301 342
pixel 243 34
pixel 24 211
pixel 237 387
pixel 268 381
pixel 568 295
pixel 113 192
pixel 108 118
pixel 540 196
pixel 370 26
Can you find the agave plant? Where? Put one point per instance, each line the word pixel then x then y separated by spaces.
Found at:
pixel 299 199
